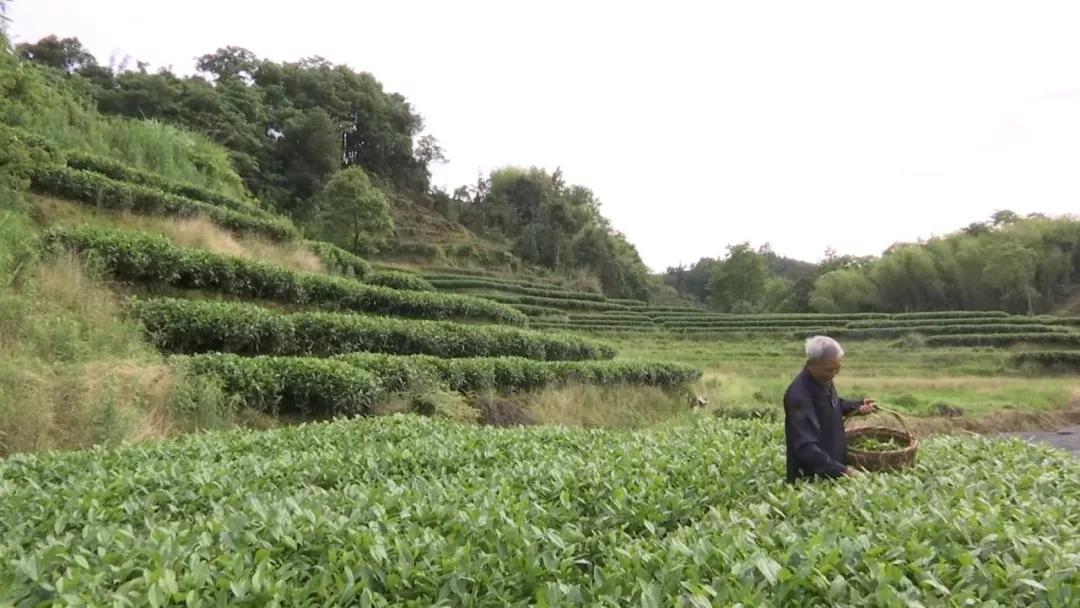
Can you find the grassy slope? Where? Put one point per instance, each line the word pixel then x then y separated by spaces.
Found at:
pixel 754 374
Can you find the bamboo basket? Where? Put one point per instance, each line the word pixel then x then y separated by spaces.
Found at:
pixel 882 461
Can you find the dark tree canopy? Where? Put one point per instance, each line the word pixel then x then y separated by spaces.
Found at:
pixel 288 126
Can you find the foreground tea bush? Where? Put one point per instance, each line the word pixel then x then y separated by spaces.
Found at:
pixel 152 259
pixel 410 511
pixel 186 326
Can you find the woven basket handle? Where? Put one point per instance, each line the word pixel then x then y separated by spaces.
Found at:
pixel 894 413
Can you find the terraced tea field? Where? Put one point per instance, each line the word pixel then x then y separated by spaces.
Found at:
pixel 351 509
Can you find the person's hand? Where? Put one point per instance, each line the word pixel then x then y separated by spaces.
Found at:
pixel 852 472
pixel 869 406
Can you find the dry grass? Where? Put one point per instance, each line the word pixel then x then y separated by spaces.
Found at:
pixel 203 234
pixel 606 407
pixel 65 406
pixel 197 232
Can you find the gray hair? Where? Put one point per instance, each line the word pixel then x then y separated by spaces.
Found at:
pixel 821 348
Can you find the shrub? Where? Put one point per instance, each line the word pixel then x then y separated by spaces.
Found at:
pixel 339 261
pixel 514 374
pixel 941 330
pixel 531 310
pixel 411 511
pixel 418 249
pixel 469 274
pixel 1056 359
pixel 293 385
pixel 554 302
pixel 151 259
pixel 398 280
pixel 512 287
pixel 125 173
pixel 949 314
pixel 354 212
pixel 954 322
pixel 349 384
pixel 1059 339
pixel 184 326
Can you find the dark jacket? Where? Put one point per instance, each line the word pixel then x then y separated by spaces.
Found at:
pixel 814 428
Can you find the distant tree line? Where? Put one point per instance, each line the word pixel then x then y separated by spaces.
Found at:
pixel 1023 265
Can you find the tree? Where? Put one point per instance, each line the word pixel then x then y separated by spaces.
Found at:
pixel 1004 218
pixel 65 54
pixel 737 284
pixel 308 151
pixel 353 213
pixel 842 291
pixel 280 121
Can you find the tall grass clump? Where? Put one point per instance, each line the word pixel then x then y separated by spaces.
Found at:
pixel 42 102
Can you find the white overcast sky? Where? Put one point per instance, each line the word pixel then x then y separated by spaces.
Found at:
pixel 698 124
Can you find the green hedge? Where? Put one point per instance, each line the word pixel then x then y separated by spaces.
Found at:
pixel 629 302
pixel 294 385
pixel 185 326
pixel 338 261
pixel 610 315
pixel 415 248
pixel 120 171
pixel 465 274
pixel 95 189
pixel 669 309
pixel 744 323
pixel 925 322
pixel 938 330
pixel 510 374
pixel 554 302
pixel 511 287
pixel 398 280
pixel 532 311
pixel 351 383
pixel 768 318
pixel 597 322
pixel 1059 339
pixel 1064 359
pixel 595 328
pixel 152 259
pixel 949 314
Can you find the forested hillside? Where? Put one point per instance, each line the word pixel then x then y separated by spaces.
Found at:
pixel 290 127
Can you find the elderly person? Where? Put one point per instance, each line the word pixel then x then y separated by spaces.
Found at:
pixel 814 415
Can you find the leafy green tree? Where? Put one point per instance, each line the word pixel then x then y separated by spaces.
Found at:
pixel 353 212
pixel 66 54
pixel 737 284
pixel 781 295
pixel 308 152
pixel 288 126
pixel 1010 271
pixel 844 290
